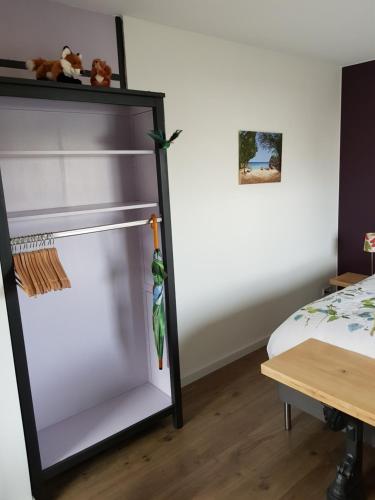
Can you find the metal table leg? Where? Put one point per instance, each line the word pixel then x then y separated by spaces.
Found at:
pixel 287 416
pixel 348 484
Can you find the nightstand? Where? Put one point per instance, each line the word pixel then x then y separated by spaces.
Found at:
pixel 347 279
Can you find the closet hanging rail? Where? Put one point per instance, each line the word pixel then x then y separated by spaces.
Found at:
pixel 76 232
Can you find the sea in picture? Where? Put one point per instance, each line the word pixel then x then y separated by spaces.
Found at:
pixel 258 165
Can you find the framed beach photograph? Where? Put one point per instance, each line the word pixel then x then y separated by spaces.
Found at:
pixel 260 156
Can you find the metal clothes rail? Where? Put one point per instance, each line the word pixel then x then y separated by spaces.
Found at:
pixel 35 238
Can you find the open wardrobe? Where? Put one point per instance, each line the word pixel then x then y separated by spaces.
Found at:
pixel 80 175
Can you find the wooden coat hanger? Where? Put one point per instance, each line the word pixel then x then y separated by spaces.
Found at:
pixel 30 271
pixel 38 272
pixel 43 272
pixel 62 274
pixel 58 269
pixel 52 277
pixel 47 271
pixel 22 276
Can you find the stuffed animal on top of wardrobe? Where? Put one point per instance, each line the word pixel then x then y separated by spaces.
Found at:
pixel 100 73
pixel 63 70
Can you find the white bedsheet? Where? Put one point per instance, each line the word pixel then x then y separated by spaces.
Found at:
pixel 345 319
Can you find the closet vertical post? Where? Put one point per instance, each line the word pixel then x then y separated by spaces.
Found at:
pixel 170 295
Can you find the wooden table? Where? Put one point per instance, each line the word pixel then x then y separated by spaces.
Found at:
pixel 347 279
pixel 339 379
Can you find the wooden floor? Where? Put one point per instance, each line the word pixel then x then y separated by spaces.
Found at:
pixel 232 446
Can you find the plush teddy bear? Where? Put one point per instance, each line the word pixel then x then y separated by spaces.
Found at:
pixel 100 74
pixel 64 69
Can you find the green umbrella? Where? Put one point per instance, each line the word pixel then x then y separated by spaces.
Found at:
pixel 158 312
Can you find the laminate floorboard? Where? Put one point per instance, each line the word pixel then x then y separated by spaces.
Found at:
pixel 232 446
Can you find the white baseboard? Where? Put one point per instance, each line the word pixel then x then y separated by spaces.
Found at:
pixel 233 356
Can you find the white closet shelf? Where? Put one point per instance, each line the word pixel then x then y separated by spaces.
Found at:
pixel 46 213
pixel 96 152
pixel 68 437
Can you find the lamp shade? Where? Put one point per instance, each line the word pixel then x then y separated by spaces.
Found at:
pixel 369 242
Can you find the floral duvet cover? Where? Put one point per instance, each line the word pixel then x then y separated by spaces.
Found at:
pixel 345 319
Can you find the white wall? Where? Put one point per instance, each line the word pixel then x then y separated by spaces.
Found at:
pixel 14 477
pixel 245 256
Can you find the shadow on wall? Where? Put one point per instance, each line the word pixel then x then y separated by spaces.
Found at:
pixel 248 327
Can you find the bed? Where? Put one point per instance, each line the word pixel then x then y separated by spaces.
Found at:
pixel 346 319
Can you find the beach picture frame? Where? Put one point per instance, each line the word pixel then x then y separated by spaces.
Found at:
pixel 260 157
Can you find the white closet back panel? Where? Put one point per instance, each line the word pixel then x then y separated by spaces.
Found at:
pixel 28 124
pixel 64 182
pixel 90 339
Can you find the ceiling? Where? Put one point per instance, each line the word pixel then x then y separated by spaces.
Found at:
pixel 340 31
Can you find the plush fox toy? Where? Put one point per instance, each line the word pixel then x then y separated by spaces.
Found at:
pixel 64 69
pixel 100 74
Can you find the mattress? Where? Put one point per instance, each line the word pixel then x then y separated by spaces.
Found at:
pixel 345 318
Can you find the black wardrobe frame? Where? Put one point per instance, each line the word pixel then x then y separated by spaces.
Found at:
pixel 23 88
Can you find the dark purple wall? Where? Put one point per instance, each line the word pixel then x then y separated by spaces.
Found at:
pixel 357 167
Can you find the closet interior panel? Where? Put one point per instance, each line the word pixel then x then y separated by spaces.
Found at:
pixel 90 349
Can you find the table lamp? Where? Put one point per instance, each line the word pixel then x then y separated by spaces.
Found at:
pixel 370 247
